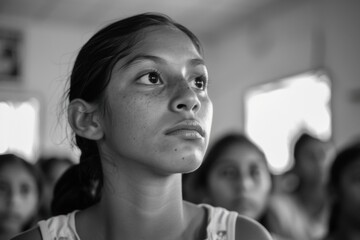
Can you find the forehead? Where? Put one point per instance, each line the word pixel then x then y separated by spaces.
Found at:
pixel 169 44
pixel 16 173
pixel 164 38
pixel 241 154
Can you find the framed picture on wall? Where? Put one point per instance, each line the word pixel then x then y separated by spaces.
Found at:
pixel 10 54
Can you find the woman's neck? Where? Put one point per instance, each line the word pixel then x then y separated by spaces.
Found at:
pixel 140 208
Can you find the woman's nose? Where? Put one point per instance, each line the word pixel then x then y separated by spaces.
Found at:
pixel 185 99
pixel 244 184
pixel 14 198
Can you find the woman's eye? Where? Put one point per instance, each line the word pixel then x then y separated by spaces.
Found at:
pixel 255 171
pixel 200 83
pixel 229 172
pixel 151 78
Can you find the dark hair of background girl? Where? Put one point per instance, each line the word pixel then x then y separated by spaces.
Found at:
pixel 92 71
pixel 346 156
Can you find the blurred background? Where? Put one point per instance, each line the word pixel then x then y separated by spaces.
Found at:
pixel 276 67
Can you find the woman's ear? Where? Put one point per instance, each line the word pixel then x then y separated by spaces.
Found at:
pixel 84 120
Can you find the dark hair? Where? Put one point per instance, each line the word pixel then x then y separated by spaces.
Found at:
pixel 13 159
pixel 71 192
pixel 345 157
pixel 92 71
pixel 199 177
pixel 301 141
pixel 48 166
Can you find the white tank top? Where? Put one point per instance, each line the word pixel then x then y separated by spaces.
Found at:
pixel 221 225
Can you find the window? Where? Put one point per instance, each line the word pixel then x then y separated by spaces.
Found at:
pixel 19 125
pixel 275 112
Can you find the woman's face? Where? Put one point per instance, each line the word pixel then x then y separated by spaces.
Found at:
pixel 18 197
pixel 240 181
pixel 158 110
pixel 313 162
pixel 349 193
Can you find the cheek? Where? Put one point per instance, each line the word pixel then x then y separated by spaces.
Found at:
pixel 219 188
pixel 206 113
pixel 266 184
pixel 130 116
pixel 31 202
pixel 262 192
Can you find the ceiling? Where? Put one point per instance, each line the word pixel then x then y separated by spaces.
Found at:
pixel 198 15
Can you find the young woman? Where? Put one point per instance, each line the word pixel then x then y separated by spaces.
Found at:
pixel 141 114
pixel 20 195
pixel 302 211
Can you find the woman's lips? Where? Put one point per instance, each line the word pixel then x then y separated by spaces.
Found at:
pixel 190 129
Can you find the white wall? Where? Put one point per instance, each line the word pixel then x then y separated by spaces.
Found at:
pixel 278 42
pixel 48 53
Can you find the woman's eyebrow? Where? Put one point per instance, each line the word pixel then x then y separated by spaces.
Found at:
pixel 157 59
pixel 142 57
pixel 196 61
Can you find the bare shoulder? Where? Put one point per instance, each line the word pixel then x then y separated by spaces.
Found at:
pixel 32 234
pixel 247 228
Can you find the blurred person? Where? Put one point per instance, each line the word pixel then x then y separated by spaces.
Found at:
pixel 20 194
pixel 344 189
pixel 51 168
pixel 235 175
pixel 302 210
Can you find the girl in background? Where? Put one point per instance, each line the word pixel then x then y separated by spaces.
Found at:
pixel 234 175
pixel 20 194
pixel 302 209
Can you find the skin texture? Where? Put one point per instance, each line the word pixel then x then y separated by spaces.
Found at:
pixel 240 181
pixel 18 198
pixel 142 154
pixel 140 112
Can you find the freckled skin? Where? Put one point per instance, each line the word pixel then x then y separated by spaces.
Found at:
pixel 135 129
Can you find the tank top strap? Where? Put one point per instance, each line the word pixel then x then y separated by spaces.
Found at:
pixel 60 227
pixel 221 223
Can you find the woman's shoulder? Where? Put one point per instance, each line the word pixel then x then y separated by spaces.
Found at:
pixel 32 234
pixel 61 226
pixel 222 222
pixel 247 228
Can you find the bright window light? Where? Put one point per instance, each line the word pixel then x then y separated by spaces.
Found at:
pixel 277 111
pixel 19 127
